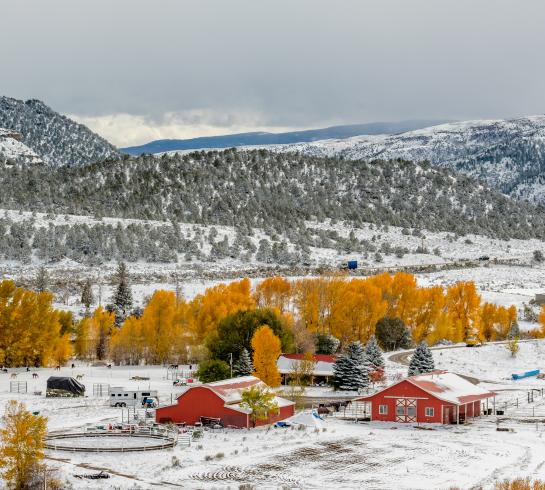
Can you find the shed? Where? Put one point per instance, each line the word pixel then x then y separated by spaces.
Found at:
pixel 437 397
pixel 220 401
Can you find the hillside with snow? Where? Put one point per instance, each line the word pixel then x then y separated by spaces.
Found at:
pixel 508 155
pixel 13 150
pixel 54 138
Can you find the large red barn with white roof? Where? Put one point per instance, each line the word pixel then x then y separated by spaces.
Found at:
pixel 436 397
pixel 220 400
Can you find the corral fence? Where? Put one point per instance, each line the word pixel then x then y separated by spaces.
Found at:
pixel 166 437
pixel 18 387
pixel 527 405
pixel 101 390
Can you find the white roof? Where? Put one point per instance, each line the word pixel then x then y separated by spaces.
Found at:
pixel 446 386
pixel 321 368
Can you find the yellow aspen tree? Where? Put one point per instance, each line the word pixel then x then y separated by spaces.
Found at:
pixel 22 440
pixel 275 293
pixel 266 347
pixel 217 302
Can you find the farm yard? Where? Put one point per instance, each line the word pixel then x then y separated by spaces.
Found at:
pixel 342 453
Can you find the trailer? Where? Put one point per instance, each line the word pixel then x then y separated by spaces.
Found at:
pixel 120 397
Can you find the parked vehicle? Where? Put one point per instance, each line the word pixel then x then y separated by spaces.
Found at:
pixel 473 342
pixel 349 265
pixel 120 397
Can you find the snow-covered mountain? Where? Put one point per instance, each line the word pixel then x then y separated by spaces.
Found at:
pixel 54 138
pixel 506 154
pixel 13 150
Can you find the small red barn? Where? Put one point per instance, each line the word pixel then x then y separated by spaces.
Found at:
pixel 220 400
pixel 436 397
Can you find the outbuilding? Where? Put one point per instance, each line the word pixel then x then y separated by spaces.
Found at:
pixel 322 369
pixel 437 397
pixel 220 402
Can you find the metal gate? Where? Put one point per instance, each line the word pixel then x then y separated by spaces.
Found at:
pixel 101 390
pixel 17 386
pixel 405 410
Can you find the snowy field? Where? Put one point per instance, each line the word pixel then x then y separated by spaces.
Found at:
pixel 342 454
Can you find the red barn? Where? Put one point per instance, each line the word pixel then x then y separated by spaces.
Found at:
pixel 220 400
pixel 436 397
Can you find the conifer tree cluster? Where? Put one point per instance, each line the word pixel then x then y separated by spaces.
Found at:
pixel 422 360
pixel 351 369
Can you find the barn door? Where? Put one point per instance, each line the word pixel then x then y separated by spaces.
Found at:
pixel 405 410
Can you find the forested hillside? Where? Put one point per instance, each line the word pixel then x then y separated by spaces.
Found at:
pixel 276 192
pixel 508 155
pixel 55 138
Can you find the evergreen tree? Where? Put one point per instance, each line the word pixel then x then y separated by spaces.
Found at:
pixel 514 331
pixel 392 334
pixel 42 280
pixel 326 344
pixel 351 369
pixel 122 299
pixel 244 366
pixel 87 298
pixel 374 354
pixel 422 360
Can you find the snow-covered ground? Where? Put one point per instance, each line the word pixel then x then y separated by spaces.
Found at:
pixel 516 283
pixel 343 454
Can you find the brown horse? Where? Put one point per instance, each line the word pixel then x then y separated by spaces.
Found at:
pixel 13 375
pixel 35 375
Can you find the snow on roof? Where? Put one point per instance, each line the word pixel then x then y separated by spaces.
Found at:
pixel 231 389
pixel 323 363
pixel 446 386
pixel 450 387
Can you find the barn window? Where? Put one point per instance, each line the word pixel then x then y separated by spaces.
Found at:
pixel 411 411
pixel 383 409
pixel 400 410
pixel 429 411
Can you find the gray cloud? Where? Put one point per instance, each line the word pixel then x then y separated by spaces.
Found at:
pixel 233 64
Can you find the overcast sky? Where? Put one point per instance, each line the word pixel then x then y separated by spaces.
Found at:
pixel 140 70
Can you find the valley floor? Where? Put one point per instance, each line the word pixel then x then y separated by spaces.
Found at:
pixel 343 454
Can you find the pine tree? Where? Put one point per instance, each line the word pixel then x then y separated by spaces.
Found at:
pixel 374 354
pixel 422 360
pixel 87 298
pixel 351 369
pixel 42 280
pixel 514 331
pixel 122 299
pixel 244 366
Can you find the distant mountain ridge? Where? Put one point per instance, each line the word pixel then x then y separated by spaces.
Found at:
pixel 262 138
pixel 54 138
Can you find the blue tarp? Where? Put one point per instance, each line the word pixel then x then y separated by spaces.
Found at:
pixel 527 374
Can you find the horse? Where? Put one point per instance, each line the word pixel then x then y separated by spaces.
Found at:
pixel 109 366
pixel 173 367
pixel 35 375
pixel 79 377
pixel 57 368
pixel 13 375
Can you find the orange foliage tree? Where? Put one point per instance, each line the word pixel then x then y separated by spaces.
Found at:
pixel 266 347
